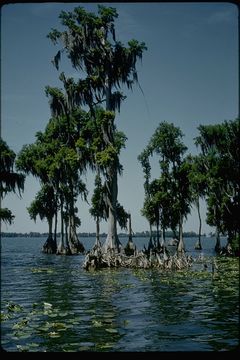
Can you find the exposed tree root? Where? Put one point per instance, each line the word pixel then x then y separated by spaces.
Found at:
pixel 97 259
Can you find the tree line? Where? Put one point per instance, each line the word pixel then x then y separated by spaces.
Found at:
pixel 82 135
pixel 185 179
pixel 137 234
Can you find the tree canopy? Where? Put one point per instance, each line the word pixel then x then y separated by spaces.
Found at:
pixel 10 181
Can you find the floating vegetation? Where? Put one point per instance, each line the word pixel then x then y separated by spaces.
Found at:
pixel 21 324
pixel 11 310
pixel 5 316
pixel 105 346
pixel 54 334
pixel 197 291
pixel 47 306
pixel 14 307
pixel 42 270
pixel 97 323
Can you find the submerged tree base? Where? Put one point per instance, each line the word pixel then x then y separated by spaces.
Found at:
pixel 50 246
pixel 71 250
pixel 198 246
pixel 97 259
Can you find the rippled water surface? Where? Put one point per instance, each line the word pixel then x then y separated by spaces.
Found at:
pixel 49 303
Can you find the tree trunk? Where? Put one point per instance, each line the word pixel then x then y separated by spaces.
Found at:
pixel 98 230
pixel 75 245
pixel 61 248
pixel 176 236
pixel 180 247
pixel 112 242
pixel 130 248
pixel 97 248
pixel 218 242
pixel 50 246
pixel 158 242
pixel 67 247
pixel 97 244
pixel 150 227
pixel 198 245
pixel 163 237
pixel 129 228
pixel 55 227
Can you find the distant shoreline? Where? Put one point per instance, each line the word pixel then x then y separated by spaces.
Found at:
pixel 143 234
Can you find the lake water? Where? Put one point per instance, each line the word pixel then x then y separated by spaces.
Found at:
pixel 49 303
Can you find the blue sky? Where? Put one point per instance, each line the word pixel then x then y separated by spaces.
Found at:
pixel 188 76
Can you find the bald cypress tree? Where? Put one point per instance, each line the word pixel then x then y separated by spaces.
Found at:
pixel 104 66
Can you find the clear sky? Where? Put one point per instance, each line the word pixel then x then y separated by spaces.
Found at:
pixel 189 76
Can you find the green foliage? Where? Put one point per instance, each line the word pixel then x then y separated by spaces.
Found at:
pixel 7 156
pixel 99 209
pixel 144 160
pixel 101 141
pixel 170 195
pixel 54 35
pixel 44 205
pixel 235 244
pixel 122 216
pixel 57 162
pixel 90 44
pixel 197 176
pixel 6 216
pixel 166 142
pixel 10 181
pixel 219 145
pixel 106 157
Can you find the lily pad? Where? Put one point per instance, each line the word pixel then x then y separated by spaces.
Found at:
pixel 14 307
pixel 97 323
pixel 106 346
pixel 5 317
pixel 41 270
pixel 54 334
pixel 47 306
pixel 24 336
pixel 112 331
pixel 21 324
